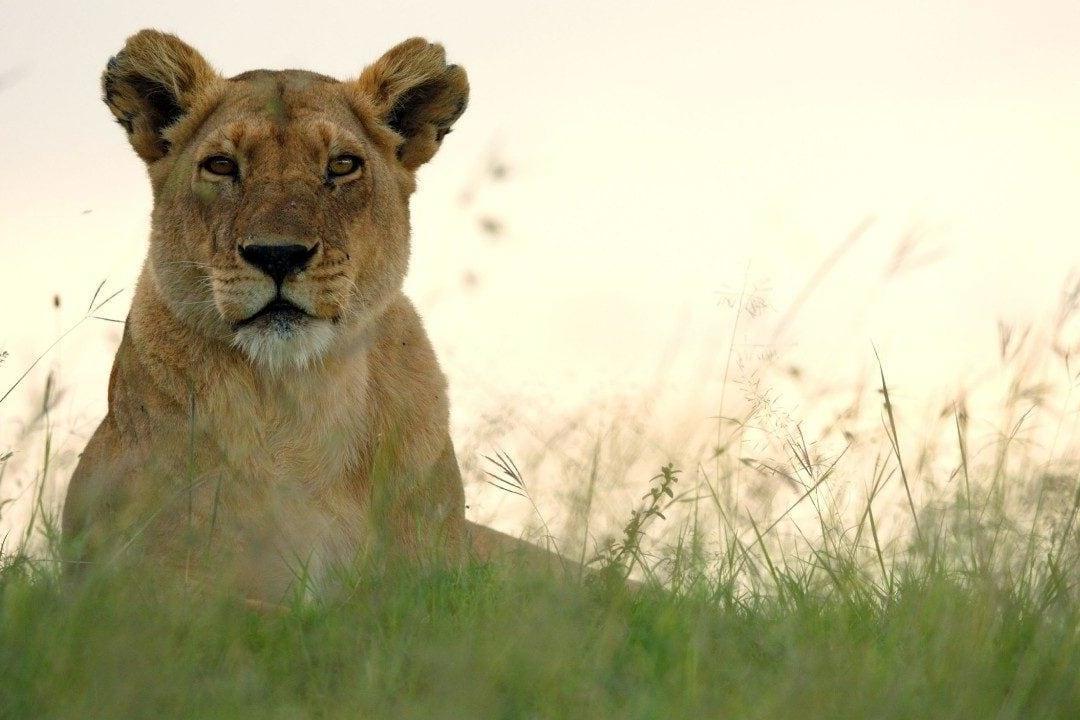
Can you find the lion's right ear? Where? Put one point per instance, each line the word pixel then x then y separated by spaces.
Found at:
pixel 150 84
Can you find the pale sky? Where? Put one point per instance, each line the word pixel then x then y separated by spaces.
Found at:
pixel 661 155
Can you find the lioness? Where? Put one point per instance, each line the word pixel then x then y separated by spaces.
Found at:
pixel 275 407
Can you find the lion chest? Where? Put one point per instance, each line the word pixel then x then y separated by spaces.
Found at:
pixel 283 472
pixel 299 433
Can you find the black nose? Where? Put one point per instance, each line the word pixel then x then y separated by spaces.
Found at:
pixel 278 261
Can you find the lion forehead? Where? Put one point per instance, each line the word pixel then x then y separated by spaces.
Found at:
pixel 278 100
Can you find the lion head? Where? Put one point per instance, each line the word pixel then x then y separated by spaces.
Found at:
pixel 281 219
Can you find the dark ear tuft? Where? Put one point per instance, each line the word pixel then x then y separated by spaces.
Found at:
pixel 417 95
pixel 151 84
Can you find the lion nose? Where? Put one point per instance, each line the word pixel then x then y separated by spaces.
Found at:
pixel 278 261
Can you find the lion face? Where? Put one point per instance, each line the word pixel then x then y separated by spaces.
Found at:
pixel 280 222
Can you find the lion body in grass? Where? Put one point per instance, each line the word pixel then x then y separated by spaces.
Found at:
pixel 268 421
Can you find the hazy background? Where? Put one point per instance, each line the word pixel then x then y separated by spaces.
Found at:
pixel 626 178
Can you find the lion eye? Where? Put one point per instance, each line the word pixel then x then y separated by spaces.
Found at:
pixel 219 165
pixel 343 165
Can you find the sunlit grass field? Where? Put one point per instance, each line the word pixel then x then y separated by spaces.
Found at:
pixel 877 575
pixel 972 617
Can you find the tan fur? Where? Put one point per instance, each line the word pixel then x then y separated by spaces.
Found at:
pixel 273 455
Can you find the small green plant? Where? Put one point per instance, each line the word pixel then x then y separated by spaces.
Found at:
pixel 626 552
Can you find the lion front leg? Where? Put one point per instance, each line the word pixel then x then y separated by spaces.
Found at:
pixel 419 514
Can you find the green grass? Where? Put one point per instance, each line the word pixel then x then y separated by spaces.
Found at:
pixel 978 621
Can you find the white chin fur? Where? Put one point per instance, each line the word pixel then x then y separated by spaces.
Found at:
pixel 280 346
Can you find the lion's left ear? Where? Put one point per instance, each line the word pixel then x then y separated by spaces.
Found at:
pixel 417 95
